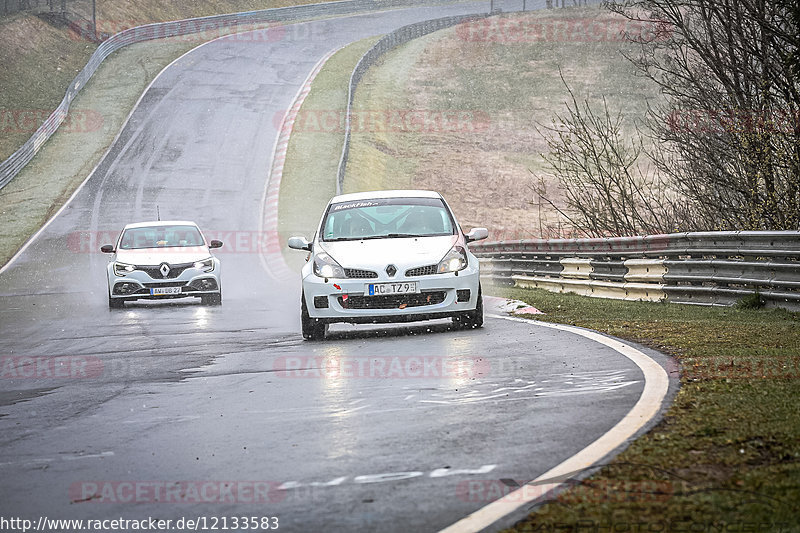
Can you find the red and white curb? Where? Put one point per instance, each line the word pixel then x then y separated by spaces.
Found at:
pixel 271 255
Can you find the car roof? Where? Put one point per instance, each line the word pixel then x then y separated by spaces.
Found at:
pixel 161 223
pixel 370 195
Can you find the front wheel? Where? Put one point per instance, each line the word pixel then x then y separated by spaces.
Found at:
pixel 471 319
pixel 115 303
pixel 313 329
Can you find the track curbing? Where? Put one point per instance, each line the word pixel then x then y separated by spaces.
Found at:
pixel 646 409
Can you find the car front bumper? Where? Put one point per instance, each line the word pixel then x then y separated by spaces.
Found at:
pixel 344 300
pixel 137 285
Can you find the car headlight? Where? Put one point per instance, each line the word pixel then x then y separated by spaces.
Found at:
pixel 206 265
pixel 326 266
pixel 455 260
pixel 120 269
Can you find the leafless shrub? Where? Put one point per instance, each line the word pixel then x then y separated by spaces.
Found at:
pixel 730 132
pixel 603 176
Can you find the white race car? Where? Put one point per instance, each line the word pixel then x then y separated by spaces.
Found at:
pixel 163 260
pixel 389 256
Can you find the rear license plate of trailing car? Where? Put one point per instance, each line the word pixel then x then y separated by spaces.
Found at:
pixel 379 289
pixel 161 291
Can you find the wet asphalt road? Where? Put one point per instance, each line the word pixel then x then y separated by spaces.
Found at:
pixel 163 396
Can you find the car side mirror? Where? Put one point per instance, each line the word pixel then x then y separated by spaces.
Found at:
pixel 299 243
pixel 215 244
pixel 477 234
pixel 107 248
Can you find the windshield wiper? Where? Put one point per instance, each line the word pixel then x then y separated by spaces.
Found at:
pixel 384 236
pixel 390 236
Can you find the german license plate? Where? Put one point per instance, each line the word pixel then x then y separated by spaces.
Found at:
pixel 378 289
pixel 161 291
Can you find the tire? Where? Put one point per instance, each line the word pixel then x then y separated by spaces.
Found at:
pixel 471 319
pixel 115 303
pixel 313 329
pixel 212 299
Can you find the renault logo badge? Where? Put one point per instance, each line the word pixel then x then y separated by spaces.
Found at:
pixel 164 269
pixel 391 270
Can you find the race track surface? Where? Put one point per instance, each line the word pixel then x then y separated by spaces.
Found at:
pixel 158 396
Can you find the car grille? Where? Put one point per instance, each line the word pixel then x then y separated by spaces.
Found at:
pixel 421 271
pixel 167 284
pixel 392 301
pixel 174 270
pixel 358 273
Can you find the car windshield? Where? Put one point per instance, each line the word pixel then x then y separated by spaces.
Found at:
pixel 160 237
pixel 385 218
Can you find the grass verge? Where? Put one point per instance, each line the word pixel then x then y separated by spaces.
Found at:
pixel 726 456
pixel 65 161
pixel 41 55
pixel 312 158
pixel 460 107
pixel 96 114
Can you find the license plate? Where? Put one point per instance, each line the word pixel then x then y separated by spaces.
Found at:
pixel 160 291
pixel 378 289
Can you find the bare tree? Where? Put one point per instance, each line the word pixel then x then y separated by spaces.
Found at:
pixel 602 175
pixel 730 132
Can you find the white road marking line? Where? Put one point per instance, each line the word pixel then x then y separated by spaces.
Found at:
pixel 88 456
pixel 647 407
pixel 103 158
pixel 44 460
pixel 348 411
pixel 27 463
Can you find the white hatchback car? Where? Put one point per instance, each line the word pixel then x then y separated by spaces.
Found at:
pixel 163 260
pixel 389 256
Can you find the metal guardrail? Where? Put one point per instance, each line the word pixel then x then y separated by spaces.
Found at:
pixel 17 161
pixel 711 268
pixel 386 43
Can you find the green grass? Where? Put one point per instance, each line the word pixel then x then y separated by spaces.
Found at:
pixel 509 87
pixel 39 62
pixel 312 158
pixel 728 449
pixel 381 158
pixel 65 161
pixel 483 173
pixel 40 58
